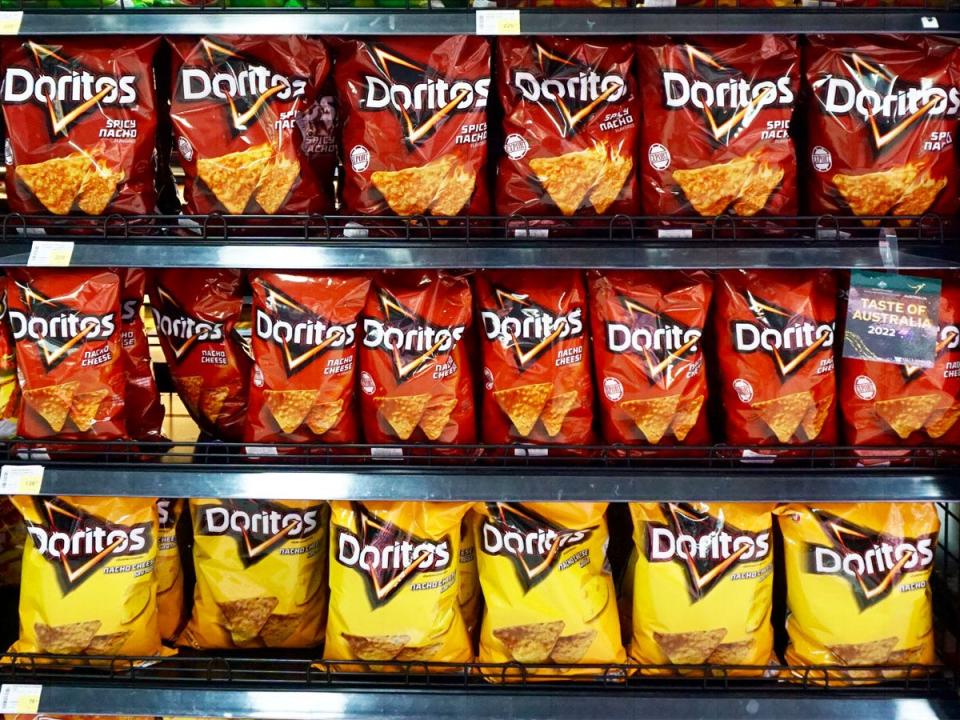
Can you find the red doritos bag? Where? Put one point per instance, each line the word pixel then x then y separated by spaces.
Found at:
pixel 144 410
pixel 81 119
pixel 536 357
pixel 196 313
pixel 775 343
pixel 648 350
pixel 237 108
pixel 9 387
pixel 883 123
pixel 414 124
pixel 318 129
pixel 889 404
pixel 569 127
pixel 715 137
pixel 66 324
pixel 304 347
pixel 415 378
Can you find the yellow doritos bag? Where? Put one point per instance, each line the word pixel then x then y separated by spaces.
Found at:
pixel 703 584
pixel 394 582
pixel 547 586
pixel 858 587
pixel 469 596
pixel 88 583
pixel 169 570
pixel 261 571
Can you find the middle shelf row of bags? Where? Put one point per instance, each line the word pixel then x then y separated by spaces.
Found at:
pixel 856 125
pixel 413 581
pixel 553 358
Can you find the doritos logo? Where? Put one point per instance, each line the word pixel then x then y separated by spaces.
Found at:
pixel 387 557
pixel 728 101
pixel 526 327
pixel 67 89
pixel 706 546
pixel 258 526
pixel 77 543
pixel 532 542
pixel 166 518
pixel 790 339
pixel 666 346
pixel 417 94
pixel 871 562
pixel 247 86
pixel 57 329
pixel 182 331
pixel 302 335
pixel 413 343
pixel 569 91
pixel 888 105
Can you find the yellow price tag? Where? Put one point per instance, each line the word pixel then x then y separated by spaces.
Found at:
pixel 50 253
pixel 498 22
pixel 21 479
pixel 10 21
pixel 21 699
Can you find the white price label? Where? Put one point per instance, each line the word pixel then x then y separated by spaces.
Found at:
pixel 50 253
pixel 930 22
pixel 16 698
pixel 498 22
pixel 10 22
pixel 21 479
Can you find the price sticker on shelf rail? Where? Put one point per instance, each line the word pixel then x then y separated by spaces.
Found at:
pixel 16 698
pixel 10 21
pixel 50 253
pixel 21 479
pixel 498 22
pixel 892 318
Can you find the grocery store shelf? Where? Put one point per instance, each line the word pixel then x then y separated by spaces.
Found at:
pixel 350 473
pixel 397 703
pixel 290 688
pixel 384 21
pixel 348 242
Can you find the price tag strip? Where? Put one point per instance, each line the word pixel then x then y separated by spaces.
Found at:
pixel 20 699
pixel 498 22
pixel 10 22
pixel 50 253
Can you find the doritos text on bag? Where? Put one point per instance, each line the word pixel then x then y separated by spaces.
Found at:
pixel 570 126
pixel 648 353
pixel 702 583
pixel 169 568
pixel 305 337
pixel 547 586
pixel 394 580
pixel 415 379
pixel 66 324
pixel 89 586
pixel 237 107
pixel 9 385
pixel 716 135
pixel 144 410
pixel 775 342
pixel 884 116
pixel 414 124
pixel 536 357
pixel 858 587
pixel 261 570
pixel 891 404
pixel 81 122
pixel 196 313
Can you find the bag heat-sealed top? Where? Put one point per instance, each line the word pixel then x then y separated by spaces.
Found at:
pixel 775 349
pixel 648 354
pixel 883 118
pixel 716 133
pixel 237 108
pixel 569 126
pixel 414 124
pixel 81 122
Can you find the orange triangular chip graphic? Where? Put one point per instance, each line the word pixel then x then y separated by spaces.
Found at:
pixel 908 414
pixel 98 188
pixel 324 416
pixel 211 402
pixel 755 193
pixel 275 182
pixel 523 404
pixel 290 407
pixel 875 193
pixel 615 170
pixel 403 412
pixel 232 178
pixel 56 182
pixel 52 403
pixel 784 414
pixel 412 190
pixel 84 406
pixel 710 189
pixel 436 416
pixel 568 178
pixel 939 423
pixel 454 193
pixel 652 416
pixel 816 416
pixel 555 411
pixel 688 412
pixel 918 198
